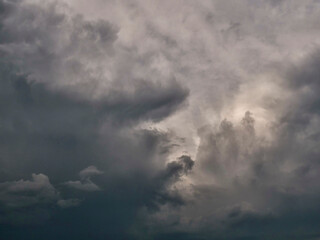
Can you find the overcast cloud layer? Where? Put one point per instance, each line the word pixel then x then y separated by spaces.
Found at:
pixel 160 120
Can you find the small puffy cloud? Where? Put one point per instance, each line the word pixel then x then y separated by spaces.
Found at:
pixel 27 201
pixel 89 171
pixel 85 184
pixel 23 193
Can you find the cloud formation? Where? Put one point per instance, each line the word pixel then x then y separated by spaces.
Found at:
pixel 89 171
pixel 53 124
pixel 159 120
pixel 252 185
pixel 24 193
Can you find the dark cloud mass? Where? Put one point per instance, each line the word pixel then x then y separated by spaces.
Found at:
pixel 145 120
pixel 87 147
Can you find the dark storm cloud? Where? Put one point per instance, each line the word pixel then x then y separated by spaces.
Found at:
pixel 51 126
pixel 77 92
pixel 55 49
pixel 48 128
pixel 32 109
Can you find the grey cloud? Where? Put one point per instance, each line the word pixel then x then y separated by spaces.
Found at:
pixel 86 185
pixel 178 168
pixel 27 201
pixel 55 121
pixel 173 172
pixel 274 178
pixel 25 193
pixel 56 49
pixel 304 82
pixel 60 115
pixel 79 91
pixel 43 130
pixel 89 171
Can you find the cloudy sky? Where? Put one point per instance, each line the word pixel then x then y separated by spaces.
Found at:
pixel 160 120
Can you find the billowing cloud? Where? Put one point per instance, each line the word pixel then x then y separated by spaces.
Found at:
pixel 24 192
pixel 247 184
pixel 55 125
pixel 171 120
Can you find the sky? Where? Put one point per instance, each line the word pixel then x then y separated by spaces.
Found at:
pixel 160 120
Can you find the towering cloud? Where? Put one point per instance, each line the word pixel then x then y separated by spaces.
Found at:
pixel 159 120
